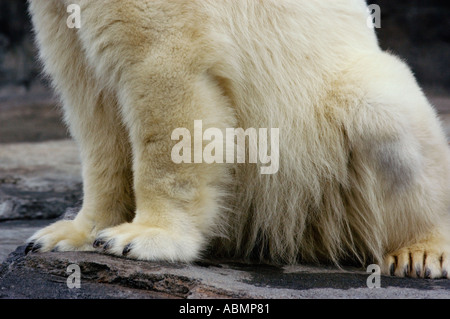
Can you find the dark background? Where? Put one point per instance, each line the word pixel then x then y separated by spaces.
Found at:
pixel 18 68
pixel 417 30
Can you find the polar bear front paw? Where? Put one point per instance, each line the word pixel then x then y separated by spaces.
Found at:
pixel 64 235
pixel 146 242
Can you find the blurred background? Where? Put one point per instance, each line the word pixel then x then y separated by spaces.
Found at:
pixel 39 167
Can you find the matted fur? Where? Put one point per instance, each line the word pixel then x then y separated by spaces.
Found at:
pixel 364 164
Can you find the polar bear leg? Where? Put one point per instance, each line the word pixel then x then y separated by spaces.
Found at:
pixel 396 135
pixel 161 86
pixel 176 204
pixel 92 117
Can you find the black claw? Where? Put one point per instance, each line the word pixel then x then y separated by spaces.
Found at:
pixel 418 271
pixel 428 273
pixel 98 243
pixel 107 245
pixel 29 248
pixel 392 269
pixel 36 248
pixel 126 250
pixel 444 273
pixel 406 271
pixel 55 250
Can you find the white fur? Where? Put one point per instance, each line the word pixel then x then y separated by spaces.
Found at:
pixel 364 164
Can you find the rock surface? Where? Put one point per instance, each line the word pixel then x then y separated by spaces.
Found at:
pixel 16 232
pixel 45 275
pixel 38 180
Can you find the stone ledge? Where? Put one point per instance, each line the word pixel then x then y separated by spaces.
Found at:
pixel 44 275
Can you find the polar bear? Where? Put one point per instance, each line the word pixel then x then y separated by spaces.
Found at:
pixel 364 165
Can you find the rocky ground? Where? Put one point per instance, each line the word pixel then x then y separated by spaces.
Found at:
pixel 45 275
pixel 40 180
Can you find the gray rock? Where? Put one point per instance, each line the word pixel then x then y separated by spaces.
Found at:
pixel 15 233
pixel 38 181
pixel 45 275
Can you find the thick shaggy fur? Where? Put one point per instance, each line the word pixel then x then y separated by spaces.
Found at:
pixel 364 164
